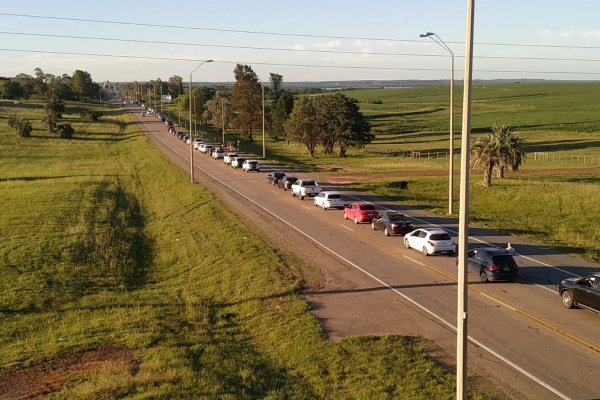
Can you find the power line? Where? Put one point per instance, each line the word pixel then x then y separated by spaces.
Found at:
pixel 99 21
pixel 286 64
pixel 286 49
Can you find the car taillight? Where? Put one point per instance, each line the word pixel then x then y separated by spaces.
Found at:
pixel 493 267
pixel 429 242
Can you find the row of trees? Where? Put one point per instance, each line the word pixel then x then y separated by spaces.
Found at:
pixel 43 86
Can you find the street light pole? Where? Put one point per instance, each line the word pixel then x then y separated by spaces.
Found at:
pixel 439 41
pixel 190 129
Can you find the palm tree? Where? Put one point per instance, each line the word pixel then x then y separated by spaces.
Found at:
pixel 497 151
pixel 484 156
pixel 511 153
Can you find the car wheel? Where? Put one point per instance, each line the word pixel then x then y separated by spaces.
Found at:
pixel 355 220
pixel 293 194
pixel 567 298
pixel 451 253
pixel 301 197
pixel 284 189
pixel 323 205
pixel 386 232
pixel 345 216
pixel 406 243
pixel 424 251
pixel 373 225
pixel 483 277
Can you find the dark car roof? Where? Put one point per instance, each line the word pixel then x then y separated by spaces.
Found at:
pixel 493 251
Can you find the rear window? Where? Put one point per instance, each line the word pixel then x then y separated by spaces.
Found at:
pixel 440 236
pixel 308 183
pixel 335 196
pixel 366 207
pixel 503 261
pixel 397 217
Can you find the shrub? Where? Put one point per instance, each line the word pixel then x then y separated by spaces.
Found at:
pixel 50 123
pixel 377 101
pixel 21 125
pixel 90 115
pixel 65 130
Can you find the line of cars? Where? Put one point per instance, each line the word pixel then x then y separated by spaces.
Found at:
pixel 491 264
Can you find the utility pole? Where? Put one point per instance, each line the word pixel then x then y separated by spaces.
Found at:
pixel 223 121
pixel 463 218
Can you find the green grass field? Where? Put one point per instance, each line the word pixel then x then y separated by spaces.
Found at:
pixel 104 243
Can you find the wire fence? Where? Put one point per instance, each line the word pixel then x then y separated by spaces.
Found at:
pixel 588 159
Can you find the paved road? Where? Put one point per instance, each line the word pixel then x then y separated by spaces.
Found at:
pixel 520 335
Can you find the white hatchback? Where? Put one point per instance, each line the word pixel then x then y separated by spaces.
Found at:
pixel 430 241
pixel 329 199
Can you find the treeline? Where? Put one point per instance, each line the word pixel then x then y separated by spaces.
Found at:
pixel 332 121
pixel 43 86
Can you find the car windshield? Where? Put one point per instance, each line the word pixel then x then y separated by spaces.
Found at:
pixel 439 236
pixel 366 207
pixel 503 261
pixel 308 183
pixel 335 196
pixel 396 217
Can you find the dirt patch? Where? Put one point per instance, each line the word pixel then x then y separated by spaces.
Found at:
pixel 46 377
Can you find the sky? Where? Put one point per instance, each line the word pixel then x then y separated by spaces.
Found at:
pixel 309 40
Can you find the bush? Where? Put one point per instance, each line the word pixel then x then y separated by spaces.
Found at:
pixel 90 116
pixel 21 125
pixel 377 101
pixel 65 130
pixel 50 123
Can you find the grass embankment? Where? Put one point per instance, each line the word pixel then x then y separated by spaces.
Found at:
pixel 104 242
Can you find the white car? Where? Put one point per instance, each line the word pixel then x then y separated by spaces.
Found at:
pixel 229 157
pixel 329 199
pixel 218 153
pixel 250 165
pixel 237 162
pixel 430 241
pixel 197 143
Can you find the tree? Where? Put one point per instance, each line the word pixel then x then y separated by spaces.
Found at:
pixel 175 86
pixel 55 107
pixel 83 86
pixel 276 82
pixel 39 84
pixel 484 156
pixel 340 123
pixel 246 100
pixel 496 151
pixel 218 111
pixel 26 82
pixel 10 89
pixel 510 147
pixel 357 132
pixel 280 113
pixel 302 126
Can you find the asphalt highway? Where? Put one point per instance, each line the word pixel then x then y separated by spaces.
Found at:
pixel 521 337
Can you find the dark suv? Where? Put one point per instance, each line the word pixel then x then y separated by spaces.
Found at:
pixel 493 264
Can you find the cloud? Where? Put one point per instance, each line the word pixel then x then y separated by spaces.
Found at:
pixel 587 34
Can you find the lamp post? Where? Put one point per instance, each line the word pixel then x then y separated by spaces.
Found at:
pixel 439 41
pixel 191 138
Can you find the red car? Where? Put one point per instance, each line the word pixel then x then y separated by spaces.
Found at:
pixel 360 212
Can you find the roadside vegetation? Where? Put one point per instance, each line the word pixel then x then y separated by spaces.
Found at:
pixel 109 253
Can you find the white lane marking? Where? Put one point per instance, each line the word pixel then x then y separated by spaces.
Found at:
pixel 407 298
